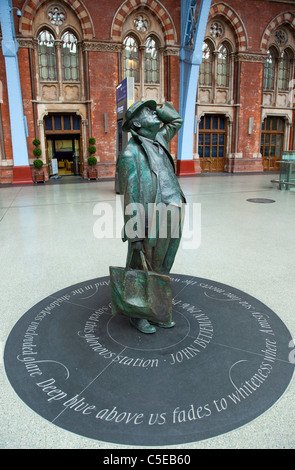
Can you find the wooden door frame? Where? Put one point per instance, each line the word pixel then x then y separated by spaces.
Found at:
pixel 270 162
pixel 70 134
pixel 209 161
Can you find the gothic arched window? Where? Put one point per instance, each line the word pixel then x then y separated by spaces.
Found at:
pixel 284 71
pixel 151 61
pixel 222 74
pixel 269 70
pixel 277 66
pixel 69 57
pixel 143 55
pixel 47 56
pixel 205 72
pixel 131 67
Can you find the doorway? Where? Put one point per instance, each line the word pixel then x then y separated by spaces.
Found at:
pixel 212 143
pixel 62 132
pixel 272 139
pixel 63 154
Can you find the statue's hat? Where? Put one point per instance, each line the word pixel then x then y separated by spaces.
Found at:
pixel 134 109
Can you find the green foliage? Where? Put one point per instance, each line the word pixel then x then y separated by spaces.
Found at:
pixel 37 152
pixel 92 160
pixel 91 149
pixel 38 164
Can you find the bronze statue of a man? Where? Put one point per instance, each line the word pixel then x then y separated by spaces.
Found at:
pixel 147 180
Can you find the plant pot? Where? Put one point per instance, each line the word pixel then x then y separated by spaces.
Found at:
pixel 92 173
pixel 39 176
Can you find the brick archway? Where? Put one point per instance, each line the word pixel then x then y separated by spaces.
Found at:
pixel 155 7
pixel 235 21
pixel 31 7
pixel 283 18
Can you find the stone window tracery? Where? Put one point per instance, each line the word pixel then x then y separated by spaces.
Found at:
pixel 56 15
pixel 281 36
pixel 50 48
pixel 216 29
pixel 215 66
pixel 142 61
pixel 143 54
pixel 141 23
pixel 277 70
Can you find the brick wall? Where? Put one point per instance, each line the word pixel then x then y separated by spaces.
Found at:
pixel 104 74
pixel 173 93
pixel 250 100
pixel 252 18
pixel 25 80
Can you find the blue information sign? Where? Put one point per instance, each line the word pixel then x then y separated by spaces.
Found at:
pixel 121 91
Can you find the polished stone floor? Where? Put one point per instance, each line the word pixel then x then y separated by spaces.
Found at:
pixel 48 241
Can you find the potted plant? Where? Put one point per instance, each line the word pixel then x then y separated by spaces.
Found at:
pixel 38 175
pixel 92 171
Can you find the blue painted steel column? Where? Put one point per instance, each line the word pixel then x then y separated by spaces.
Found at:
pixel 192 38
pixel 17 120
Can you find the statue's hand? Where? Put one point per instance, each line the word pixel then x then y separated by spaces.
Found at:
pixel 166 112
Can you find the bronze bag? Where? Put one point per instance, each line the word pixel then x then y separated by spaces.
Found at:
pixel 141 293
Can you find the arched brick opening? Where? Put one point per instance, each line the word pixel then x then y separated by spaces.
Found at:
pixel 31 7
pixel 233 19
pixel 282 18
pixel 155 8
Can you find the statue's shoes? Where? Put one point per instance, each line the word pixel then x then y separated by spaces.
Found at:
pixel 142 325
pixel 164 325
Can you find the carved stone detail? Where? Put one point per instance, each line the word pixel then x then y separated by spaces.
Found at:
pixel 216 29
pixel 49 92
pixel 242 56
pixel 27 43
pixel 221 96
pixel 171 50
pixel 204 96
pixel 56 15
pixel 71 92
pixel 98 46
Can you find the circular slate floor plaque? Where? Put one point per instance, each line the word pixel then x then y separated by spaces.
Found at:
pixel 260 200
pixel 89 372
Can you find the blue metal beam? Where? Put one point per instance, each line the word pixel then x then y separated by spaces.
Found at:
pixel 9 50
pixel 192 38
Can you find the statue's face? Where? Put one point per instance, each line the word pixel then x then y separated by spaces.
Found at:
pixel 148 120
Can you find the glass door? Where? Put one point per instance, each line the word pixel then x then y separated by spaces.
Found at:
pixel 212 143
pixel 63 142
pixel 272 139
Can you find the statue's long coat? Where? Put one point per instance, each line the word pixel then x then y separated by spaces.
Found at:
pixel 138 181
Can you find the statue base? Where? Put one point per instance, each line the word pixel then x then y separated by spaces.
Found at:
pixel 89 372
